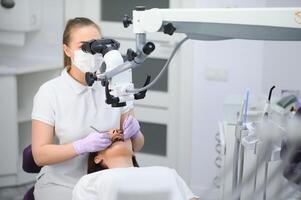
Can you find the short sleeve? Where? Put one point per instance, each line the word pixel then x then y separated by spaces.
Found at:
pixel 43 106
pixel 183 188
pixel 128 107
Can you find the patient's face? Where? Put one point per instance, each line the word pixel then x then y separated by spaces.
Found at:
pixel 119 146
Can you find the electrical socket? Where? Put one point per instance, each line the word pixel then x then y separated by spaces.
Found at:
pixel 216 74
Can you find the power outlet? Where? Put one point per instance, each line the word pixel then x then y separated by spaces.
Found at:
pixel 216 74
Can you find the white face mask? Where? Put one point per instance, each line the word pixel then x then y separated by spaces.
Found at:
pixel 87 62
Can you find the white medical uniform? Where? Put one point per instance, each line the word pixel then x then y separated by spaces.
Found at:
pixel 153 183
pixel 71 108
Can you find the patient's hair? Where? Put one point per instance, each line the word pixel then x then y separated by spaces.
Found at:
pixel 93 167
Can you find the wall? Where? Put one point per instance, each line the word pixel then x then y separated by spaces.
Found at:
pixel 240 62
pixel 282 60
pixel 247 64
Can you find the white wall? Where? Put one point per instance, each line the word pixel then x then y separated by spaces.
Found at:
pixel 243 61
pixel 255 65
pixel 282 60
pixel 282 66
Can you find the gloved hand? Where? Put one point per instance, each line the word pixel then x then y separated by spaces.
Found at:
pixel 131 128
pixel 92 143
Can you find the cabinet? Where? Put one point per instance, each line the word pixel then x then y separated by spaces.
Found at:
pixel 24 16
pixel 18 85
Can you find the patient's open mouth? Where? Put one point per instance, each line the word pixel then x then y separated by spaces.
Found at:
pixel 117 136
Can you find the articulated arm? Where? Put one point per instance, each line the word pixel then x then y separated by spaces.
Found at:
pixel 278 24
pixel 222 23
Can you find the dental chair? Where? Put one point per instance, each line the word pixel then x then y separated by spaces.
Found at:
pixel 29 166
pixel 145 191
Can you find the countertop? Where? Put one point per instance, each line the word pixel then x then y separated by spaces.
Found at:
pixel 11 66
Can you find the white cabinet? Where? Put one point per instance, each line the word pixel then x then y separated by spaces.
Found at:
pixel 18 85
pixel 15 22
pixel 25 16
pixel 9 129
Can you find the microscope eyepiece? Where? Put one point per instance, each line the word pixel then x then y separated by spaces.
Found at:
pixel 101 46
pixel 86 47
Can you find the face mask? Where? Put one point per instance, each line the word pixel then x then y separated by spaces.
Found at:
pixel 87 62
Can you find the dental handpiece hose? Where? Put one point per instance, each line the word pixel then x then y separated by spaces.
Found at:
pixel 244 128
pixel 236 153
pixel 264 120
pixel 162 70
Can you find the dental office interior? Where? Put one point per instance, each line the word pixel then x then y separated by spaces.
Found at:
pixel 209 116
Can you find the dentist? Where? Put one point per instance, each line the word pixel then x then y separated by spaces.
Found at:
pixel 64 108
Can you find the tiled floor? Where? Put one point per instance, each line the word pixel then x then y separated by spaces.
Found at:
pixel 14 193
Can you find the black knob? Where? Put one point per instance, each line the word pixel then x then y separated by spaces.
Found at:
pixel 117 105
pixel 141 95
pixel 169 29
pixel 148 48
pixel 131 54
pixel 90 78
pixel 8 3
pixel 127 21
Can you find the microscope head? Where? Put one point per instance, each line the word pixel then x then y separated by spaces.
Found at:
pixel 101 46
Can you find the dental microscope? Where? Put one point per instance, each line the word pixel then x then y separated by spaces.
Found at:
pixel 196 24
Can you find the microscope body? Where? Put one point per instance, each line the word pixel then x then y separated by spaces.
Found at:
pixel 119 83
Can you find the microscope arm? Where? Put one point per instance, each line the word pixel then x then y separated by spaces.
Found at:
pixel 283 24
pixel 278 24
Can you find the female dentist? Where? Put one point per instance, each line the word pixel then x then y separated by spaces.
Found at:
pixel 64 108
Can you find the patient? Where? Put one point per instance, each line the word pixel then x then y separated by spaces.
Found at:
pixel 117 176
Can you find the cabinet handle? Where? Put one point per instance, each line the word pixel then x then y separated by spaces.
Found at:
pixel 217 135
pixel 218 148
pixel 218 162
pixel 217 182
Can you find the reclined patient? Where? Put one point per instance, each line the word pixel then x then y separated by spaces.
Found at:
pixel 116 175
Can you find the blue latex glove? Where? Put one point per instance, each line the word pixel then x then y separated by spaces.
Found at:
pixel 92 143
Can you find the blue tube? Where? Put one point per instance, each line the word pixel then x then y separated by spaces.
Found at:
pixel 246 107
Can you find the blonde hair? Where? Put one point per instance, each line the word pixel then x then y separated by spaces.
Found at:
pixel 70 26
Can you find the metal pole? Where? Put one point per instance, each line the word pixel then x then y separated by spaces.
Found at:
pixel 235 165
pixel 255 171
pixel 241 165
pixel 265 180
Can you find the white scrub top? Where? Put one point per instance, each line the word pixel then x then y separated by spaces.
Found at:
pixel 133 183
pixel 72 108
